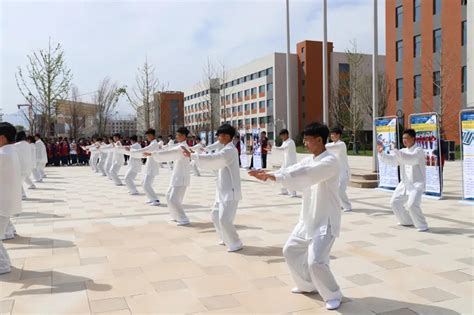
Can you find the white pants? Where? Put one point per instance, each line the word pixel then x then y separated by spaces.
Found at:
pixel 174 198
pixel 147 183
pixel 10 231
pixel 308 261
pixel 93 161
pixel 108 166
pixel 345 203
pixel 5 262
pixel 38 172
pixel 195 169
pixel 113 172
pixel 129 178
pixel 28 181
pixel 406 207
pixel 101 166
pixel 223 215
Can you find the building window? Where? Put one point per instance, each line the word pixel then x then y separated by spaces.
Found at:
pixel 302 50
pixel 344 68
pixel 254 106
pixel 262 73
pixel 269 71
pixel 463 2
pixel 261 104
pixel 269 103
pixel 398 16
pixel 399 89
pixel 436 83
pixel 254 91
pixel 436 7
pixel 302 82
pixel 302 64
pixel 417 46
pixel 399 51
pixel 270 87
pixel 463 79
pixel 416 10
pixel 463 33
pixel 246 93
pixel 437 40
pixel 417 86
pixel 247 107
pixel 261 89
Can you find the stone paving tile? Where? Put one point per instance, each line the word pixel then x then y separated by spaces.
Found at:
pixel 108 305
pixel 73 252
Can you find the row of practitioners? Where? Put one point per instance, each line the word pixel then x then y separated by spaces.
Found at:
pixel 307 251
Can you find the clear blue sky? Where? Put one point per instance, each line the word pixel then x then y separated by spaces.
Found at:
pixel 112 38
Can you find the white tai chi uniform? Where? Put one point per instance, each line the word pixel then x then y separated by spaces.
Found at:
pixel 168 146
pixel 308 248
pixel 117 161
pixel 288 148
pixel 407 195
pixel 41 160
pixel 28 180
pixel 26 164
pixel 179 181
pixel 109 150
pixel 339 149
pixel 102 159
pixel 10 198
pixel 214 147
pixel 228 192
pixel 94 158
pixel 151 169
pixel 134 167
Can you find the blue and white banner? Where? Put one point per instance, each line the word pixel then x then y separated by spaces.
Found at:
pixel 427 137
pixel 386 130
pixel 257 149
pixel 467 153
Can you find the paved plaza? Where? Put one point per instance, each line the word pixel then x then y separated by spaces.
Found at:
pixel 86 246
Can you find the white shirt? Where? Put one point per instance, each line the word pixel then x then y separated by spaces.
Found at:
pixel 134 163
pixel 24 154
pixel 33 154
pixel 151 167
pixel 216 146
pixel 181 170
pixel 118 157
pixel 10 181
pixel 412 167
pixel 228 177
pixel 288 148
pixel 318 179
pixel 339 149
pixel 41 154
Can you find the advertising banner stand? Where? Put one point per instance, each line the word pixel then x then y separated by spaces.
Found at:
pixel 426 126
pixel 244 154
pixel 466 128
pixel 257 149
pixel 386 129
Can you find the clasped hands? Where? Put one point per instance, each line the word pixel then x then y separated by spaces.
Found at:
pixel 261 175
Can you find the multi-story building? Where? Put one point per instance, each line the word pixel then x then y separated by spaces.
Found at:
pixel 427 59
pixel 251 96
pixel 125 125
pixel 75 115
pixel 170 107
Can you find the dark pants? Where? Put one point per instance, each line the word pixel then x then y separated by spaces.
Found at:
pixel 73 159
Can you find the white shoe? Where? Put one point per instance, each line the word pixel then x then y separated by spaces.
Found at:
pixel 346 210
pixel 155 203
pixel 298 291
pixel 119 184
pixel 184 222
pixel 221 243
pixel 293 195
pixel 149 201
pixel 405 225
pixel 423 229
pixel 283 193
pixel 333 304
pixel 39 181
pixel 235 248
pixel 133 193
pixel 32 186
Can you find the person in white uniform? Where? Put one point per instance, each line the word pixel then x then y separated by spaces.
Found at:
pixel 134 166
pixel 199 148
pixel 117 161
pixel 228 191
pixel 339 149
pixel 41 159
pixel 24 153
pixel 28 181
pixel 406 199
pixel 108 149
pixel 288 148
pixel 151 167
pixel 94 157
pixel 102 157
pixel 10 188
pixel 180 177
pixel 307 251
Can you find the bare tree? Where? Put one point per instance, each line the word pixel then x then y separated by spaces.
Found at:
pixel 29 113
pixel 46 80
pixel 77 118
pixel 210 97
pixel 384 90
pixel 106 98
pixel 142 96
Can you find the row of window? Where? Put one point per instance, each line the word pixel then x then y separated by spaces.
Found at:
pixel 416 11
pixel 437 42
pixel 436 84
pixel 237 96
pixel 236 109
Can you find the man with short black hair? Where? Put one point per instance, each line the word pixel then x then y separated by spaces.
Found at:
pixel 134 166
pixel 407 196
pixel 180 177
pixel 339 149
pixel 228 191
pixel 307 251
pixel 10 189
pixel 151 167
